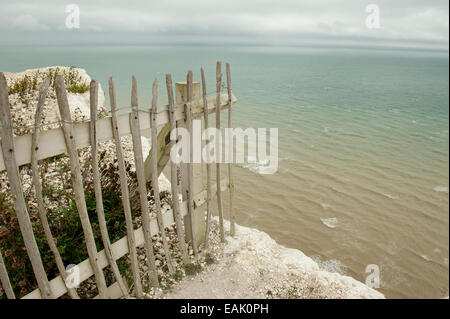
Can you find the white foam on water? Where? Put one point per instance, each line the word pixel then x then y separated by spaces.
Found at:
pixel 441 189
pixel 331 265
pixel 258 167
pixel 330 222
pixel 425 257
pixel 325 205
pixel 391 196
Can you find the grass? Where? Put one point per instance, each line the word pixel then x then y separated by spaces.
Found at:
pixel 78 88
pixel 192 269
pixel 30 84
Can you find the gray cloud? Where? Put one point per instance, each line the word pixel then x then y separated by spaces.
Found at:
pixel 290 22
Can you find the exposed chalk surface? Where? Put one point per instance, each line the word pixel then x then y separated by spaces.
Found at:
pixel 253 265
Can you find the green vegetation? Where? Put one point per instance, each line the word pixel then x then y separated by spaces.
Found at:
pixel 293 293
pixel 30 84
pixel 67 230
pixel 192 269
pixel 209 259
pixel 78 88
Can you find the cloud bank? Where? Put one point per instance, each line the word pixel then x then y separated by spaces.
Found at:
pixel 403 23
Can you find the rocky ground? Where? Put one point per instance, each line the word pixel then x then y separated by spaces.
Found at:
pixel 253 265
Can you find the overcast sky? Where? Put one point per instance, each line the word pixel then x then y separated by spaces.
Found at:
pixel 404 23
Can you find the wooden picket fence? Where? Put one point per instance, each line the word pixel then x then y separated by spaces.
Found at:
pixel 187 213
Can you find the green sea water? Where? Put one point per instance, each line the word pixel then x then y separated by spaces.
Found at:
pixel 363 147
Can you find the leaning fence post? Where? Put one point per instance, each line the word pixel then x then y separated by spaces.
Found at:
pixel 208 164
pixel 98 188
pixel 38 187
pixel 174 174
pixel 190 165
pixel 230 151
pixel 131 239
pixel 4 280
pixel 77 183
pixel 7 144
pixel 219 148
pixel 139 162
pixel 155 184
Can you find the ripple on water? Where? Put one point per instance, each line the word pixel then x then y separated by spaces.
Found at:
pixel 330 222
pixel 441 189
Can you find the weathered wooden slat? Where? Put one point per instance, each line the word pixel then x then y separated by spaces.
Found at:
pixel 120 248
pixel 12 169
pixel 208 164
pixel 131 240
pixel 52 141
pixel 96 178
pixel 230 151
pixel 190 165
pixel 139 162
pixel 4 280
pixel 38 187
pixel 163 139
pixel 219 149
pixel 155 183
pixel 77 182
pixel 174 175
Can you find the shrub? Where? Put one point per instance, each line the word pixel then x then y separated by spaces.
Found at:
pixel 66 229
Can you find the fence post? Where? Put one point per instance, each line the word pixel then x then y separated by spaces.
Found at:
pixel 230 152
pixel 77 183
pixel 38 187
pixel 190 165
pixel 4 279
pixel 131 239
pixel 155 183
pixel 7 144
pixel 174 174
pixel 219 148
pixel 208 164
pixel 139 162
pixel 98 188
